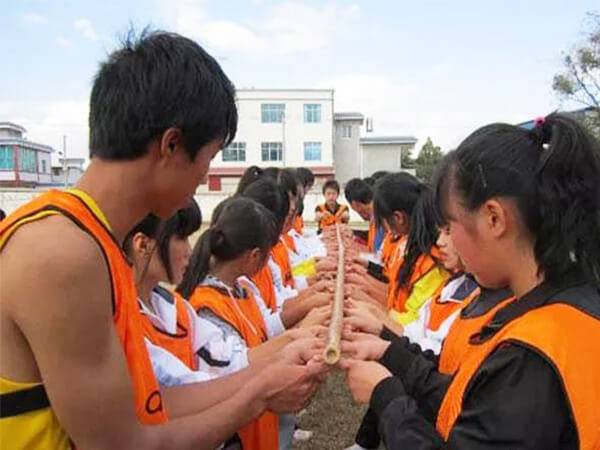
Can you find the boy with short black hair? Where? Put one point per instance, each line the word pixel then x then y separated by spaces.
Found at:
pixel 74 368
pixel 331 212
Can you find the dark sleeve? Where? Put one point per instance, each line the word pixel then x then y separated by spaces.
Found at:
pixel 361 234
pixel 376 271
pixel 418 374
pixel 515 401
pixel 413 348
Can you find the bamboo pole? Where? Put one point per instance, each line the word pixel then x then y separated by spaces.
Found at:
pixel 332 350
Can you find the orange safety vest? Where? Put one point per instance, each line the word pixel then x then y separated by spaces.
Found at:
pixel 264 282
pixel 243 315
pixel 392 265
pixel 299 224
pixel 440 311
pixel 179 344
pixel 289 242
pixel 565 335
pixel 281 257
pixel 398 296
pixel 127 317
pixel 371 237
pixel 456 343
pixel 331 219
pixel 388 250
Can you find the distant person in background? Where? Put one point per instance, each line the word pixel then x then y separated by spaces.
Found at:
pixel 360 197
pixel 2 214
pixel 331 212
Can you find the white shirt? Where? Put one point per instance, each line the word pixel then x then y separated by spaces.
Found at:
pixel 418 332
pixel 226 352
pixel 168 369
pixel 282 292
pixel 272 319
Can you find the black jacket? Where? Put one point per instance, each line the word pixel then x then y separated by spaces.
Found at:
pixel 514 401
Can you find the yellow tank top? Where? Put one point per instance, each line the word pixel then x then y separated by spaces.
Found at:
pixel 32 430
pixel 37 429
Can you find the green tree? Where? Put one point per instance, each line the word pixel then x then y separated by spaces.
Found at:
pixel 579 81
pixel 406 159
pixel 428 161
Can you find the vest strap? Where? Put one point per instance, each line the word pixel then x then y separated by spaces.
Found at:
pixel 24 401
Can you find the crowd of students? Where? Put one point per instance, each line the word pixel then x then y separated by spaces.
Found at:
pixel 471 314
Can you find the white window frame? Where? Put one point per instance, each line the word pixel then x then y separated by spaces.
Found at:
pixel 270 147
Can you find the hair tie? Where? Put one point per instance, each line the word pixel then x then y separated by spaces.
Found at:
pixel 539 121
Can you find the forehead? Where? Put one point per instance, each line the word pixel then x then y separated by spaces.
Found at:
pixel 331 191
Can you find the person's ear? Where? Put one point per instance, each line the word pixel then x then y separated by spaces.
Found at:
pixel 142 245
pixel 171 144
pixel 495 217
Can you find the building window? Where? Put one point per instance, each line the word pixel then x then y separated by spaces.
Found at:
pixel 236 151
pixel 272 112
pixel 272 151
pixel 346 131
pixel 312 151
pixel 6 158
pixel 43 166
pixel 312 113
pixel 27 161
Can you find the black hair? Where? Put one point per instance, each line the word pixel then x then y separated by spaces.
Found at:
pixel 272 196
pixel 403 192
pixel 306 175
pixel 241 225
pixel 250 175
pixel 2 214
pixel 395 192
pixel 300 207
pixel 377 175
pixel 551 172
pixel 182 224
pixel 285 178
pixel 156 81
pixel 331 184
pixel 370 181
pixel 358 190
pixel 422 236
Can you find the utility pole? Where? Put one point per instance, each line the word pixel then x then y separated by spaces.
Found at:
pixel 65 166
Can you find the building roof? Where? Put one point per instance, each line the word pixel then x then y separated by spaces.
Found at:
pixel 12 126
pixel 239 171
pixel 27 144
pixel 348 116
pixel 386 140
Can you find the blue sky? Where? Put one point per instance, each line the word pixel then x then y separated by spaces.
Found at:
pixel 428 68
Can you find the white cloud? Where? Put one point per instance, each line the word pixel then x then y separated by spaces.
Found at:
pixel 401 109
pixel 63 42
pixel 47 123
pixel 35 19
pixel 86 28
pixel 285 28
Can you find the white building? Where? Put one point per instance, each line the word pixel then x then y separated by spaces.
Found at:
pixel 298 128
pixel 281 128
pixel 68 171
pixel 22 162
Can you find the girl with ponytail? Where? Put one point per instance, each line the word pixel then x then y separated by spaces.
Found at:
pixel 405 206
pixel 159 252
pixel 236 245
pixel 523 208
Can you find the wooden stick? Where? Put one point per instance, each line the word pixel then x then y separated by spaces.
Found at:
pixel 332 350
